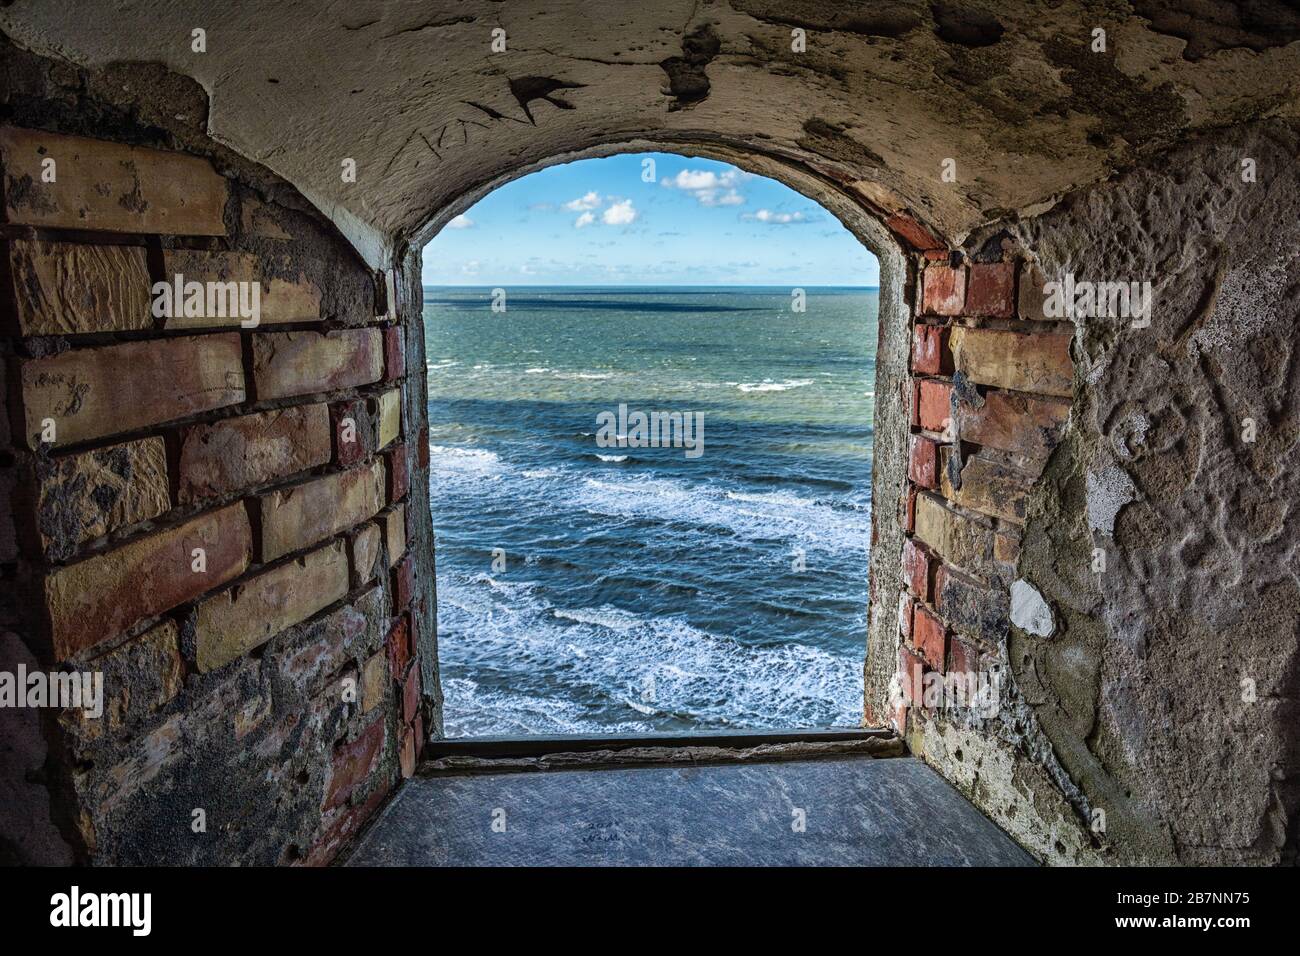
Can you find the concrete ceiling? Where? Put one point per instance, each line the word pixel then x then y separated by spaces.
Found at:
pixel 1009 90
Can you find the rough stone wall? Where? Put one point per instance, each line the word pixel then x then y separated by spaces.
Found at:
pixel 1148 713
pixel 216 517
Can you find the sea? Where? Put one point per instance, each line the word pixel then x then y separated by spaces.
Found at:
pixel 588 587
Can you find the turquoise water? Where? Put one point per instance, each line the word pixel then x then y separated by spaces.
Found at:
pixel 589 589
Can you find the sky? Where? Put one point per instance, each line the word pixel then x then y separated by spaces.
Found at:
pixel 646 219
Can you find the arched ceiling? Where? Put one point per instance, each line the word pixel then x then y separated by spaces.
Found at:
pixel 1011 91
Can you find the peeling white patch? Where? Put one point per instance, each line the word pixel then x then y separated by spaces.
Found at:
pixel 1245 306
pixel 1108 491
pixel 1029 611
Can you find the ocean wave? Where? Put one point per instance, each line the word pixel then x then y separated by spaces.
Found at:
pixel 612 458
pixel 767 385
pixel 609 670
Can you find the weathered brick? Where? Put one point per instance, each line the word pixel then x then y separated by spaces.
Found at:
pixel 923 462
pixel 374 681
pixel 991 289
pixel 905 607
pixel 301 363
pixel 944 289
pixel 411 695
pixel 364 544
pixel 963 658
pixel 909 511
pixel 389 416
pixel 235 454
pixel 956 538
pixel 68 288
pixel 1020 424
pixel 916 568
pixel 990 487
pixel 240 618
pixel 140 677
pixel 934 405
pixel 929 637
pixel 403 583
pixel 298 517
pixel 354 431
pixel 930 352
pixel 394 353
pixel 399 475
pixel 398 646
pixel 353 762
pixel 1033 294
pixel 90 393
pixel 321 647
pixel 1023 361
pixel 284 294
pixel 422 447
pixel 395 534
pixel 108 186
pixel 911 670
pixel 978 610
pixel 84 496
pixel 107 594
pixel 1006 549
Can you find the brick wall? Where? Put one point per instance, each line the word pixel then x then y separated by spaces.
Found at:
pixel 989 398
pixel 213 516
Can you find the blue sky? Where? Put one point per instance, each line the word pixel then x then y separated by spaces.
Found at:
pixel 599 222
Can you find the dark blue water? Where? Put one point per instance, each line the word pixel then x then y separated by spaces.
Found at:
pixel 587 589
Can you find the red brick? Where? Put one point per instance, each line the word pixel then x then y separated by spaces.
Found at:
pixel 913 233
pixel 418 727
pixel 394 353
pixel 235 454
pixel 399 646
pixel 303 363
pixel 403 583
pixel 1022 361
pixel 909 511
pixel 91 393
pixel 109 593
pixel 411 695
pixel 110 187
pixel 354 431
pixel 1020 424
pixel 422 447
pixel 399 477
pixel 934 405
pixel 345 826
pixel 923 462
pixel 905 606
pixel 963 658
pixel 991 290
pixel 930 352
pixel 944 290
pixel 911 668
pixel 916 568
pixel 353 762
pixel 929 637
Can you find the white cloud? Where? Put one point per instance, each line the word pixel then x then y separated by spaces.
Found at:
pixel 589 201
pixel 619 214
pixel 776 218
pixel 470 268
pixel 460 222
pixel 586 219
pixel 708 188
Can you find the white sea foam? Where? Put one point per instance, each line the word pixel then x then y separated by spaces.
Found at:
pixel 767 385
